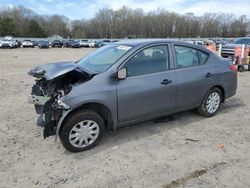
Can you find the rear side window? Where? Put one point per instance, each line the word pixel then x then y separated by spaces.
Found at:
pixel 203 57
pixel 187 57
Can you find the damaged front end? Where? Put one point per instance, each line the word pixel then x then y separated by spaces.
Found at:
pixel 54 81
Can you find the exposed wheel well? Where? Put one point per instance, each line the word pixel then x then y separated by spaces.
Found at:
pixel 222 91
pixel 101 109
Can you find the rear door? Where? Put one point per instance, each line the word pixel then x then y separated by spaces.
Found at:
pixel 149 89
pixel 195 75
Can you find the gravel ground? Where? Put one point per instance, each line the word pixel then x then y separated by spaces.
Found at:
pixel 184 150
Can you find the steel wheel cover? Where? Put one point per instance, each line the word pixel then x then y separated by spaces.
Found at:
pixel 84 133
pixel 213 102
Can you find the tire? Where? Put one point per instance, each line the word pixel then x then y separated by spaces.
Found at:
pixel 240 68
pixel 212 95
pixel 83 122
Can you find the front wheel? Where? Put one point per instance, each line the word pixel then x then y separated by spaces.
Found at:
pixel 82 131
pixel 211 103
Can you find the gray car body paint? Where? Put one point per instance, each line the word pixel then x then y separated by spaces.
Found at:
pixel 141 98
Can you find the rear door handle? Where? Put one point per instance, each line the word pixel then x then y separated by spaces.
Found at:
pixel 166 82
pixel 208 75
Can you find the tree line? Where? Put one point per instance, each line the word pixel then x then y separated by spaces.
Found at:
pixel 125 22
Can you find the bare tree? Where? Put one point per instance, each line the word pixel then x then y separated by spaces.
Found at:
pixel 126 22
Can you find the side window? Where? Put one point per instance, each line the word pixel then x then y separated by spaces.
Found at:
pixel 203 57
pixel 186 56
pixel 150 60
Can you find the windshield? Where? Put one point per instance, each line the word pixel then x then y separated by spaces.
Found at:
pixel 242 41
pixel 100 60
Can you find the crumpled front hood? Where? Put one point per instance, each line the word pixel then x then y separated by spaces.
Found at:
pixel 52 70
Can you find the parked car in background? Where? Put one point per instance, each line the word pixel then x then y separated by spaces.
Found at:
pixel 27 44
pixel 220 41
pixel 84 43
pixel 101 43
pixel 92 43
pixel 18 43
pixel 35 43
pixel 8 43
pixel 106 42
pixel 228 49
pixel 43 44
pixel 98 44
pixel 66 43
pixel 56 43
pixel 74 44
pixel 128 82
pixel 197 42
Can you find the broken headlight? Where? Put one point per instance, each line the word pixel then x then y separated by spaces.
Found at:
pixel 60 105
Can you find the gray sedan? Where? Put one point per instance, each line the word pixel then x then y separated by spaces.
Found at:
pixel 125 83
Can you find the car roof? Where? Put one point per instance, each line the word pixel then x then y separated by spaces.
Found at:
pixel 144 42
pixel 139 42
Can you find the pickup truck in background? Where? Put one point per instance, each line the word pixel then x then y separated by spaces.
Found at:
pixel 234 51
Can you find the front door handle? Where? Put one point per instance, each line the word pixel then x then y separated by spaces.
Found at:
pixel 166 82
pixel 208 75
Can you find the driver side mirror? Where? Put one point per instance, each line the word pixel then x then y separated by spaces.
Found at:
pixel 122 73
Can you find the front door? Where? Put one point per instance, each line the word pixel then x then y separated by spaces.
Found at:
pixel 149 89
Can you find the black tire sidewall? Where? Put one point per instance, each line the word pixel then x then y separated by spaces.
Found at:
pixel 241 68
pixel 72 121
pixel 203 109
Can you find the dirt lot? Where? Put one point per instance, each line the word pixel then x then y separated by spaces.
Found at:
pixel 185 150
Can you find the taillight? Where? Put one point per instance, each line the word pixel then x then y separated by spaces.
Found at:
pixel 233 67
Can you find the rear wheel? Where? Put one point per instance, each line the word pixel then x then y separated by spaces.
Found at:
pixel 82 131
pixel 240 68
pixel 211 103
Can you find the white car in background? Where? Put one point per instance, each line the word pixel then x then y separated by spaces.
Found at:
pixel 27 44
pixel 84 43
pixel 92 43
pixel 7 43
pixel 199 42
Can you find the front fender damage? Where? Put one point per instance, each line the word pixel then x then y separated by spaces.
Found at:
pixel 65 113
pixel 53 82
pixel 52 117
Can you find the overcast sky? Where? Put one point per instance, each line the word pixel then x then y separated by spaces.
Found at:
pixel 77 9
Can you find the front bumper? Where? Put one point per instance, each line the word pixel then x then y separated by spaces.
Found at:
pixel 50 111
pixel 6 46
pixel 38 100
